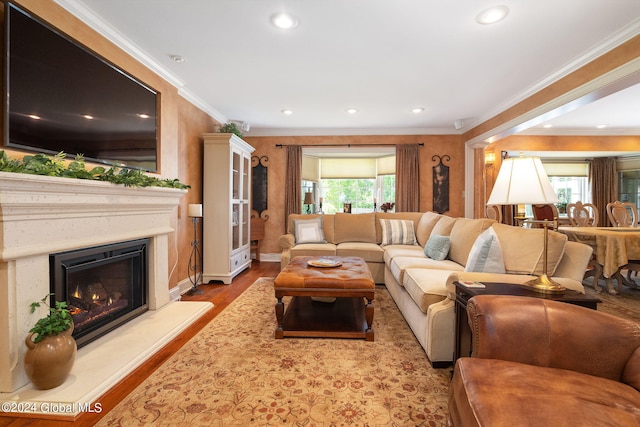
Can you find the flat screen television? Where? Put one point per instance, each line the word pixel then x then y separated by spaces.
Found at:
pixel 61 96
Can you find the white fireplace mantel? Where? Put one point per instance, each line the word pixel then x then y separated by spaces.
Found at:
pixel 40 215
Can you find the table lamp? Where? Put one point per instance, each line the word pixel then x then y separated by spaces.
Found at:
pixel 194 212
pixel 308 200
pixel 522 180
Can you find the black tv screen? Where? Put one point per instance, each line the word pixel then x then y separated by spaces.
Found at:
pixel 60 96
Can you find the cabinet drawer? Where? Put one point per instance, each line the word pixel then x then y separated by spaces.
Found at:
pixel 240 258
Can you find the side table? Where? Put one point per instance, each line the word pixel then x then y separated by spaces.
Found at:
pixel 464 337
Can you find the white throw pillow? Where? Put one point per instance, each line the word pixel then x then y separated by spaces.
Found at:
pixel 437 247
pixel 397 232
pixel 308 230
pixel 486 254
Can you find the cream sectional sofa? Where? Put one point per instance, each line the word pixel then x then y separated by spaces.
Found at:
pixel 422 287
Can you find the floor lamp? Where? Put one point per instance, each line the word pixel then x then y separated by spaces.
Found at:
pixel 522 180
pixel 195 259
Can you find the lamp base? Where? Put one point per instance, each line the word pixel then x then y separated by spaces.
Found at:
pixel 544 285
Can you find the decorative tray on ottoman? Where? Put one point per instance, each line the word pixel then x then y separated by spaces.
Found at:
pixel 324 262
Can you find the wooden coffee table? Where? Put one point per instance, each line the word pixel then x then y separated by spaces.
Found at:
pixel 349 316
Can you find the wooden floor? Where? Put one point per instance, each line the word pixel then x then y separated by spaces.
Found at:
pixel 220 295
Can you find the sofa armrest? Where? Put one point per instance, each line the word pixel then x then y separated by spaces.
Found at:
pixel 553 334
pixel 287 241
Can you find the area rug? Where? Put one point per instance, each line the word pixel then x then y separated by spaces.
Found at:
pixel 234 373
pixel 626 304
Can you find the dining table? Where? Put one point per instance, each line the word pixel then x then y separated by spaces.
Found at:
pixel 613 248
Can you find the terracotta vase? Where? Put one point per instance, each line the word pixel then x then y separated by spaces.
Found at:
pixel 48 363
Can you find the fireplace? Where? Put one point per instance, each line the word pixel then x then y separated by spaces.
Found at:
pixel 104 286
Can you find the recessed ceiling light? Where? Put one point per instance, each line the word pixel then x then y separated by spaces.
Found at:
pixel 287 112
pixel 143 116
pixel 177 58
pixel 34 116
pixel 492 15
pixel 284 21
pixel 88 116
pixel 601 126
pixel 352 110
pixel 417 110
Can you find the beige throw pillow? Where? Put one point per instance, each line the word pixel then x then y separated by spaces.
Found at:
pixel 425 226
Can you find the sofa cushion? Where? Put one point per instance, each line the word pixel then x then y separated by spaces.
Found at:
pixel 370 252
pixel 443 226
pixel 355 228
pixel 397 232
pixel 486 254
pixel 437 247
pixel 426 286
pixel 313 249
pixel 400 264
pixel 463 234
pixel 393 251
pixel 522 249
pixel 308 230
pixel 427 221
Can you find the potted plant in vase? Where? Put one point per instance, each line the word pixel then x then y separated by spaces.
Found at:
pixel 51 350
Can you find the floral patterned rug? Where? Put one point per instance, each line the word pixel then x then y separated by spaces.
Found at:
pixel 626 304
pixel 234 373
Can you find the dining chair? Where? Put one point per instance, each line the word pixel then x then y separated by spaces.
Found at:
pixel 582 214
pixel 494 212
pixel 547 212
pixel 622 214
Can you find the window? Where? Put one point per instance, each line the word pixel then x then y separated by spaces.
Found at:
pixel 359 192
pixel 569 181
pixel 355 175
pixel 629 187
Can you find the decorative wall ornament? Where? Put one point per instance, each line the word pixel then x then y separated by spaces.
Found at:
pixel 260 185
pixel 441 184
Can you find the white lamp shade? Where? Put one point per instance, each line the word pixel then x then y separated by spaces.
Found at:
pixel 195 211
pixel 522 180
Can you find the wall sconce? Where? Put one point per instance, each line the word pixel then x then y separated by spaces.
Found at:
pixel 489 159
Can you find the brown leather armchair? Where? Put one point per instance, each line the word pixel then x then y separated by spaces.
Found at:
pixel 537 362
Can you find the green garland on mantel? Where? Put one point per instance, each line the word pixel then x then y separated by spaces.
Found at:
pixel 41 164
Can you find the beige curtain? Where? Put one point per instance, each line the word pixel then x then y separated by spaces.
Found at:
pixel 603 180
pixel 407 178
pixel 293 182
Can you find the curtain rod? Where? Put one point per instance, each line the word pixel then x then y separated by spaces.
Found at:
pixel 420 144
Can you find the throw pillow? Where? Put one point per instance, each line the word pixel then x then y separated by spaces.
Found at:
pixel 308 230
pixel 437 247
pixel 397 232
pixel 486 254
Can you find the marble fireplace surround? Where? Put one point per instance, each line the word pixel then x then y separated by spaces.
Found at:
pixel 41 215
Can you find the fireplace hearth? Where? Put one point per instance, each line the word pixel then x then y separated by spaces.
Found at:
pixel 104 286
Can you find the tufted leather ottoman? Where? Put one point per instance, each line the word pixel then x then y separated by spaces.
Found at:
pixel 350 316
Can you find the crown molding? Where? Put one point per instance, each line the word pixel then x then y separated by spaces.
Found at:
pixel 264 131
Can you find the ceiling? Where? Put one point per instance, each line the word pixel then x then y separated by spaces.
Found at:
pixel 381 57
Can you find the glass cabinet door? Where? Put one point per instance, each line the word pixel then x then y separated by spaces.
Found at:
pixel 236 181
pixel 235 226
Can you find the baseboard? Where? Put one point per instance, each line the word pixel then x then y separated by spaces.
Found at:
pixel 270 257
pixel 176 292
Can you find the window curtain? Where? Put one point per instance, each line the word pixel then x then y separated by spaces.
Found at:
pixel 293 183
pixel 407 178
pixel 603 181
